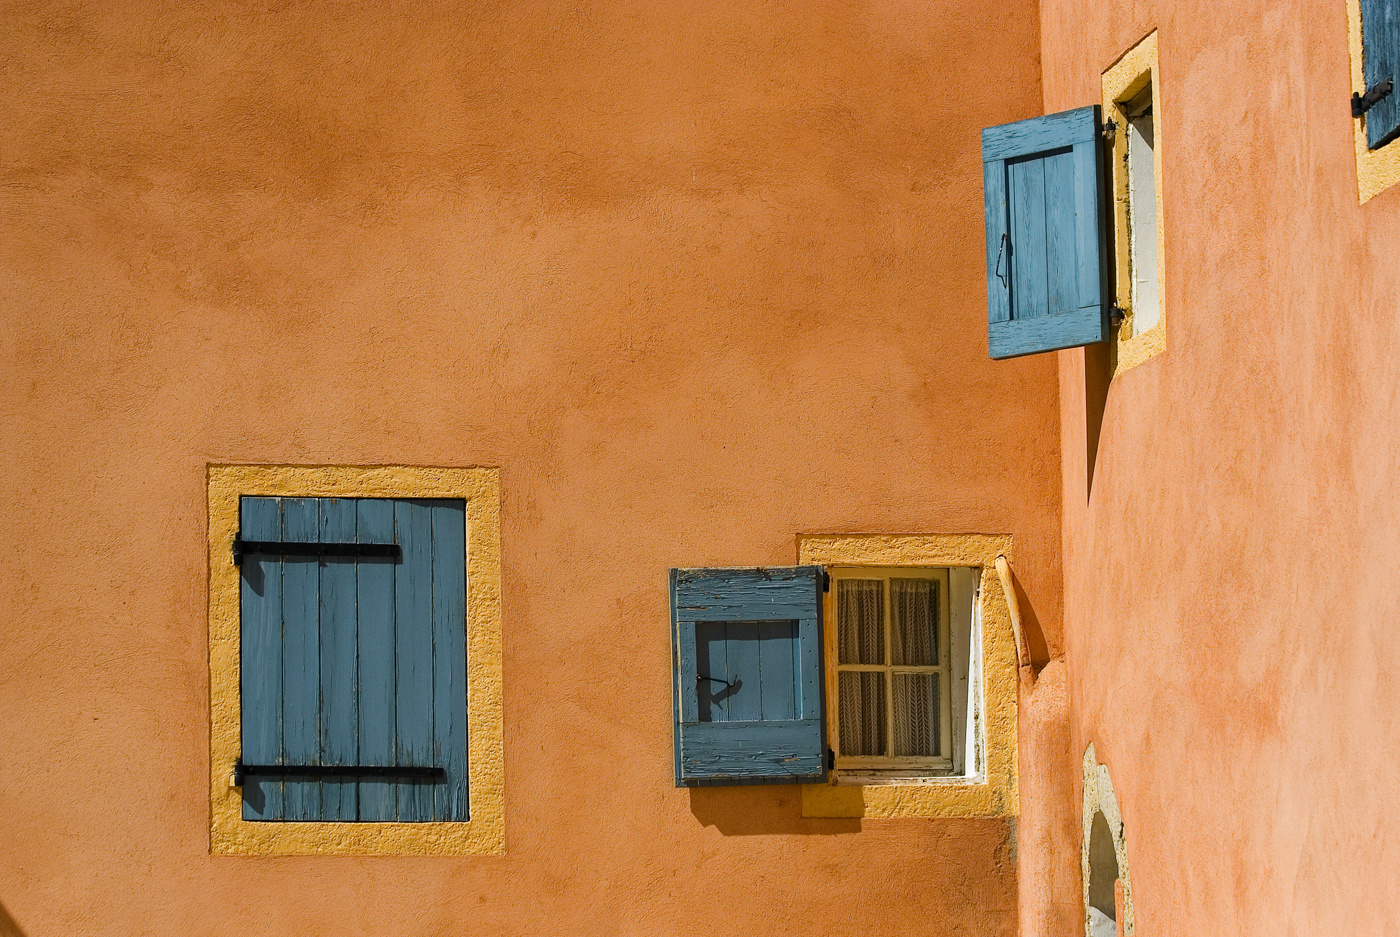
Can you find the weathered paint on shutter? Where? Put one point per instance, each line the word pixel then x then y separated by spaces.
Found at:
pixel 377 700
pixel 748 675
pixel 1047 234
pixel 260 680
pixel 1380 42
pixel 301 659
pixel 352 660
pixel 339 743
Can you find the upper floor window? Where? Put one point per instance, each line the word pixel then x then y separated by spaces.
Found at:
pixel 1374 31
pixel 1132 115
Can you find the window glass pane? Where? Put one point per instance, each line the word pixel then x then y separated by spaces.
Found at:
pixel 860 625
pixel 916 728
pixel 1142 211
pixel 862 708
pixel 914 622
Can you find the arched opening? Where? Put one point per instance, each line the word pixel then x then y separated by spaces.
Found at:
pixel 1103 876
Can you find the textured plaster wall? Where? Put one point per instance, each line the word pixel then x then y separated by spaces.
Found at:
pixel 696 276
pixel 1230 577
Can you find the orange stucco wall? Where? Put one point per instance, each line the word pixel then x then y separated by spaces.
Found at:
pixel 696 277
pixel 1230 575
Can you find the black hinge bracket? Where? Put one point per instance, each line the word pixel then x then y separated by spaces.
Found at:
pixel 1116 314
pixel 400 772
pixel 242 548
pixel 1109 130
pixel 1361 103
pixel 830 760
pixel 826 581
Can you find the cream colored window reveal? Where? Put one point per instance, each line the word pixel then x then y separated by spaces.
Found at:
pixel 893 670
pixel 1132 104
pixel 1142 211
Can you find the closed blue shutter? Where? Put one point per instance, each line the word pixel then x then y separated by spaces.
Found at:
pixel 1047 234
pixel 747 652
pixel 1380 43
pixel 353 661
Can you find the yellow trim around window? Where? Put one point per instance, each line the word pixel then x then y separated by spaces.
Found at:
pixel 484 833
pixel 994 793
pixel 1376 170
pixel 1123 81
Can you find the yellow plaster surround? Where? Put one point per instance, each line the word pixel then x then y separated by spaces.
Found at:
pixel 1376 170
pixel 994 794
pixel 1121 82
pixel 484 833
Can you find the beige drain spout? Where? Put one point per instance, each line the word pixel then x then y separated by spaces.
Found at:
pixel 1023 656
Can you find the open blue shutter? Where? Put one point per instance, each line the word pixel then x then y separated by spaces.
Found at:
pixel 1047 234
pixel 354 661
pixel 747 649
pixel 1380 42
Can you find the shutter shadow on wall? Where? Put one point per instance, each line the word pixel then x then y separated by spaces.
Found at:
pixel 747 655
pixel 1047 234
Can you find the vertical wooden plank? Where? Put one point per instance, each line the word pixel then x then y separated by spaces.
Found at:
pixel 675 681
pixel 777 669
pixel 687 666
pixel 339 654
pixel 711 660
pixel 1026 199
pixel 301 658
pixel 450 656
pixel 375 601
pixel 1090 224
pixel 809 668
pixel 998 241
pixel 744 695
pixel 260 637
pixel 1061 235
pixel 413 653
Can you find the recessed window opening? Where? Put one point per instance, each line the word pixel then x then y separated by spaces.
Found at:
pixel 1103 874
pixel 1142 210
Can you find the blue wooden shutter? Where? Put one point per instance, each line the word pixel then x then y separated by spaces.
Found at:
pixel 354 661
pixel 748 688
pixel 1047 234
pixel 1380 43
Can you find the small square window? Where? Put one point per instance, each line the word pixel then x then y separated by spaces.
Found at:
pixel 918 630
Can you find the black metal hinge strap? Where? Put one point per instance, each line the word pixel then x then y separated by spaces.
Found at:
pixel 403 772
pixel 1361 103
pixel 242 548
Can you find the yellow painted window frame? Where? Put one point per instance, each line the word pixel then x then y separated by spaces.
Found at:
pixel 994 792
pixel 1123 81
pixel 484 833
pixel 1376 170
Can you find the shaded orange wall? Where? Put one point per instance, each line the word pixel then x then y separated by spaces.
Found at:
pixel 697 277
pixel 1231 598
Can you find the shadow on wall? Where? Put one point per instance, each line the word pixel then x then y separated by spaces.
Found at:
pixel 1098 374
pixel 758 810
pixel 1036 645
pixel 8 927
